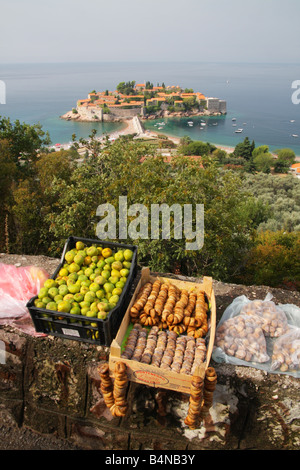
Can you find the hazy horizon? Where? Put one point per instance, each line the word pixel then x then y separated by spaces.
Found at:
pixel 73 31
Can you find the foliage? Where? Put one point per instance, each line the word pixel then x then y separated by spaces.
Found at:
pixel 251 222
pixel 25 141
pixel 126 88
pixel 281 195
pixel 274 260
pixel 194 148
pixel 244 149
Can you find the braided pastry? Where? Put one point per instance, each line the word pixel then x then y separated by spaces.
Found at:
pixel 150 345
pixel 152 296
pixel 160 348
pixel 141 301
pixel 195 402
pixel 170 303
pixel 180 305
pixel 168 354
pixel 140 345
pixel 210 383
pixel 161 299
pixel 131 341
pixel 106 385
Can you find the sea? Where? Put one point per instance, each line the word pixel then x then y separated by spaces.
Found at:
pixel 259 97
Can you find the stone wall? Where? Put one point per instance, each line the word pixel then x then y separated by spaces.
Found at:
pixel 51 385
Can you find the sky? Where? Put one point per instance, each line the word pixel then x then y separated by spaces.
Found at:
pixel 34 31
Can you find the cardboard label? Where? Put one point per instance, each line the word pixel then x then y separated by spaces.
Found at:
pixel 150 378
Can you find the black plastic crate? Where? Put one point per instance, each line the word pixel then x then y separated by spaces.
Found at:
pixel 80 327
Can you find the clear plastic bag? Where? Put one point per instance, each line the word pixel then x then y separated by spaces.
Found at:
pixel 243 304
pixel 242 338
pixel 286 351
pixel 271 318
pixel 17 286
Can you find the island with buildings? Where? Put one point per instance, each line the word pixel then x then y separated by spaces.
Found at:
pixel 145 101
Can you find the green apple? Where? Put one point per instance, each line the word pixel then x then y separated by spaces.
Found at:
pixel 128 254
pixel 79 259
pixel 117 291
pixel 94 287
pixel 100 294
pixel 75 310
pixel 114 299
pixel 102 315
pixel 108 287
pixel 118 265
pixel 84 290
pixel 124 272
pixel 69 256
pixel 43 292
pixel 78 297
pixel 115 273
pixel 100 280
pixel 127 264
pixel 73 276
pixel 64 306
pixel 103 306
pixel 120 284
pixel 63 272
pixel 113 280
pixel 52 292
pixel 101 264
pixel 50 283
pixel 51 306
pixel 74 267
pixel 79 245
pixel 88 271
pixel 92 251
pixel 74 288
pixel 63 289
pixel 119 256
pixel 90 296
pixel 105 274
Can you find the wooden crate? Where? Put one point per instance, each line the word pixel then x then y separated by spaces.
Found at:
pixel 151 375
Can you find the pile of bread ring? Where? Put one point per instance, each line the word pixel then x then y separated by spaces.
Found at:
pixel 165 305
pixel 114 393
pixel 168 331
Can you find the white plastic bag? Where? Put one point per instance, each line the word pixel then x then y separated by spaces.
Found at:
pixel 291 321
pixel 17 286
pixel 271 318
pixel 286 351
pixel 242 338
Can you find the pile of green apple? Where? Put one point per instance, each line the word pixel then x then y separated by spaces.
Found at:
pixel 89 283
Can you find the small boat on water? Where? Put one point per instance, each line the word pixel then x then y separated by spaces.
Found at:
pixel 238 131
pixel 233 125
pixel 203 124
pixel 190 123
pixel 215 123
pixel 295 135
pixel 292 120
pixel 233 119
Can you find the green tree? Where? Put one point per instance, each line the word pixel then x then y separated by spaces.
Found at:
pixel 263 162
pixel 25 142
pixel 285 158
pixel 244 149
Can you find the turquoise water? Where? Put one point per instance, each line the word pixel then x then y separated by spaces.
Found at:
pixel 257 95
